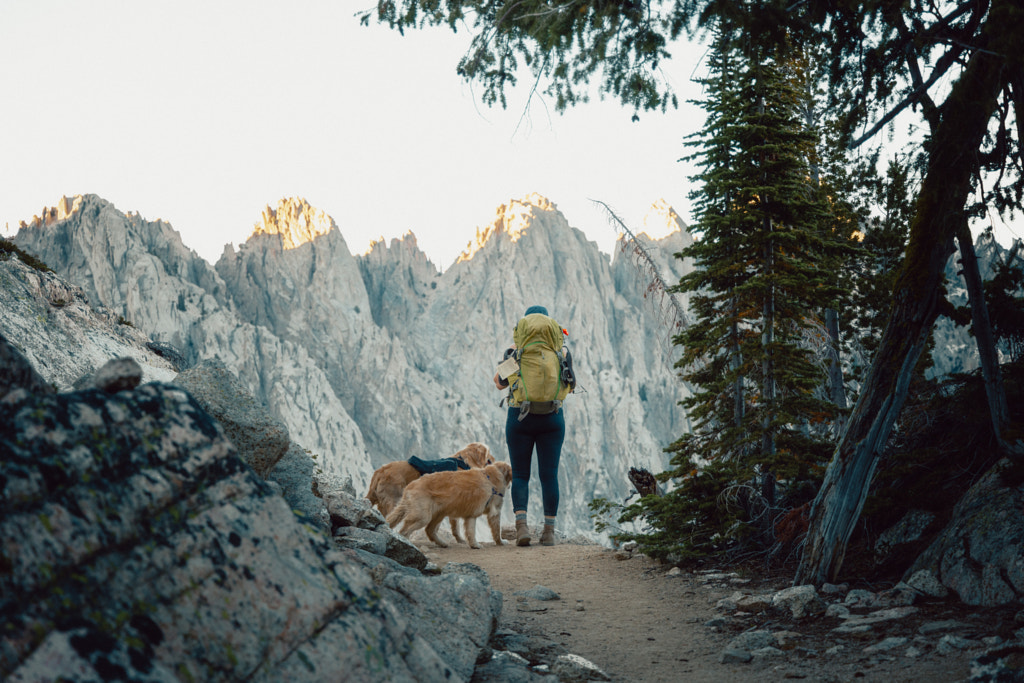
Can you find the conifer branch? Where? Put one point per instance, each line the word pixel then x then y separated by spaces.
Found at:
pixel 646 262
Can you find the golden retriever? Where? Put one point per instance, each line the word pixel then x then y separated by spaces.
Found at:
pixel 465 495
pixel 390 479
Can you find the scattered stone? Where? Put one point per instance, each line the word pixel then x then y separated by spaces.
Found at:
pixel 575 669
pixel 799 601
pixel 535 650
pixel 933 627
pixel 754 603
pixel 753 640
pixel 886 645
pixel 859 597
pixel 838 611
pixel 863 624
pixel 950 643
pixel 344 509
pixel 507 667
pixel 833 589
pixel 995 667
pixel 539 592
pixel 675 571
pixel 361 539
pixel 900 595
pixel 928 583
pixel 727 604
pixel 717 624
pixel 120 374
pixel 787 640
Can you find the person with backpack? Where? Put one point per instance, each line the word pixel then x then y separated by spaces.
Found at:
pixel 537 370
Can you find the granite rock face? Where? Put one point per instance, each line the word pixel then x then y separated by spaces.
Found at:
pixel 63 334
pixel 137 544
pixel 261 438
pixel 373 358
pixel 980 553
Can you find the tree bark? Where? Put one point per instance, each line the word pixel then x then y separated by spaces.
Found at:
pixel 982 326
pixel 836 384
pixel 940 211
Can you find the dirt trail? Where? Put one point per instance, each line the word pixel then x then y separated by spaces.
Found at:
pixel 640 625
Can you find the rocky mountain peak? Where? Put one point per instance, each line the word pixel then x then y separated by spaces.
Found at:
pixel 662 220
pixel 65 207
pixel 511 219
pixel 295 221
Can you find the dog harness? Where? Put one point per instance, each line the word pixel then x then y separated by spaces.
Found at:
pixel 494 491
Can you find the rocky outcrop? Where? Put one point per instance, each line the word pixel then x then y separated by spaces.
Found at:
pixel 19 372
pixel 136 544
pixel 141 270
pixel 256 434
pixel 65 339
pixel 980 553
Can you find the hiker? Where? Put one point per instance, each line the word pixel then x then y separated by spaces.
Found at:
pixel 539 369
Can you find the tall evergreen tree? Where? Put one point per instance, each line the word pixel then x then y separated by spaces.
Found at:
pixel 758 282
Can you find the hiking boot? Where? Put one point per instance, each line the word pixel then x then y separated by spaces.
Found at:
pixel 547 537
pixel 522 533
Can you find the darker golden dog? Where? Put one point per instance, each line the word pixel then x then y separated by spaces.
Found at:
pixel 465 495
pixel 389 480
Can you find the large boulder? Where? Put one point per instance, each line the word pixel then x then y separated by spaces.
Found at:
pixel 18 372
pixel 295 473
pixel 980 553
pixel 137 545
pixel 261 439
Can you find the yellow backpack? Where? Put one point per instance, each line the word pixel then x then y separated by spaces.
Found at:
pixel 545 375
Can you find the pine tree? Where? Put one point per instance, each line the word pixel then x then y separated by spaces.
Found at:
pixel 760 281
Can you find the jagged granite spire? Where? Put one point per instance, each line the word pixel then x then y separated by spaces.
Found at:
pixel 295 222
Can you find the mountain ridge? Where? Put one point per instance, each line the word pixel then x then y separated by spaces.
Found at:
pixel 375 357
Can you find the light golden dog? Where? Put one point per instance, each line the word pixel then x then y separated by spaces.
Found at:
pixel 390 479
pixel 465 495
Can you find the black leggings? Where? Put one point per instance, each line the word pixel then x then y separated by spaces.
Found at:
pixel 546 432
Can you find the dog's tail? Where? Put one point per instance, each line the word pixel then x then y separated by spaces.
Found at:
pixel 396 516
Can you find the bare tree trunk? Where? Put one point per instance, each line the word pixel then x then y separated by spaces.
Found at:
pixel 836 385
pixel 940 206
pixel 993 376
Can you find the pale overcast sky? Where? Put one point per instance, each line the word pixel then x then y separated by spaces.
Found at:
pixel 203 113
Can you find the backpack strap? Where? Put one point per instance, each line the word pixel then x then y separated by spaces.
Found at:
pixel 538 408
